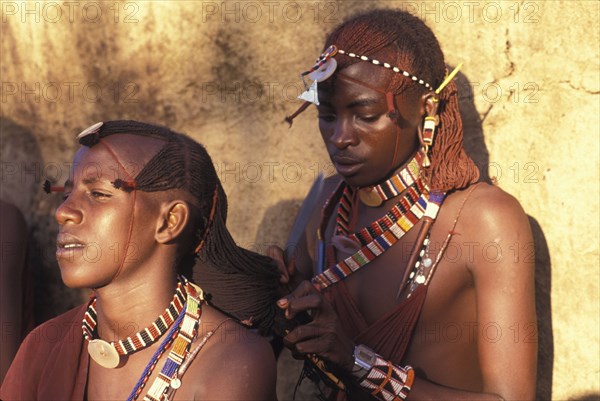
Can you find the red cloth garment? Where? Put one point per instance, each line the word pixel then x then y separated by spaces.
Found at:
pixel 51 363
pixel 390 335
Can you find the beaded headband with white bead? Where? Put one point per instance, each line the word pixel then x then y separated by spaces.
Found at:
pixel 388 66
pixel 323 70
pixel 326 65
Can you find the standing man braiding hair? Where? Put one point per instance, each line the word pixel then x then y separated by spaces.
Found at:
pixel 143 207
pixel 384 290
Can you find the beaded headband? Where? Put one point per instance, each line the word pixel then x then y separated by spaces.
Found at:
pixel 326 65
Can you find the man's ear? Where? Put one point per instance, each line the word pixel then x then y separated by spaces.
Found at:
pixel 429 102
pixel 173 219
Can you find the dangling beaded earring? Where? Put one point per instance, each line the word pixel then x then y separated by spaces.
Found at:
pixel 427 133
pixel 426 136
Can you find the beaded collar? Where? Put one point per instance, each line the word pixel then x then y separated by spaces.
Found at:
pixel 373 240
pixel 108 354
pixel 407 179
pixel 374 196
pixel 168 377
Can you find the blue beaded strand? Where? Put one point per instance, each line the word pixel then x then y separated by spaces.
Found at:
pixel 156 355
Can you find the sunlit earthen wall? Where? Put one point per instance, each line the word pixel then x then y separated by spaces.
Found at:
pixel 227 73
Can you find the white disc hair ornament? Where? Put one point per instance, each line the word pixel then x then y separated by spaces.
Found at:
pixel 321 71
pixel 90 130
pixel 325 70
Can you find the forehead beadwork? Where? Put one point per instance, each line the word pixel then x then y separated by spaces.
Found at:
pixel 388 66
pixel 326 65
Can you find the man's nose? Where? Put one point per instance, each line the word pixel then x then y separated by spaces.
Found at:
pixel 68 212
pixel 344 134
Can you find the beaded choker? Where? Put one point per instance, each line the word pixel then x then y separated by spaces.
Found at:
pixel 374 196
pixel 108 354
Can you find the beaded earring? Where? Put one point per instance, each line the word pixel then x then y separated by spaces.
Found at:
pixel 426 135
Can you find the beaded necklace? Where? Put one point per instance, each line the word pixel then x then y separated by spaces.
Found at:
pixel 384 223
pixel 374 196
pixel 382 234
pixel 168 375
pixel 139 386
pixel 108 354
pixel 407 179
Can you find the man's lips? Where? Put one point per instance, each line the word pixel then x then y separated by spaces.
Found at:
pixel 66 241
pixel 345 160
pixel 346 165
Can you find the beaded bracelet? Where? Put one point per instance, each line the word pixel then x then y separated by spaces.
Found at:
pixel 389 382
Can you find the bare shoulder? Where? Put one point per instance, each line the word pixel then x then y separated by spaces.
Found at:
pixel 236 363
pixel 487 211
pixel 493 223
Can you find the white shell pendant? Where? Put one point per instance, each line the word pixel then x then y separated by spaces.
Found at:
pixel 104 354
pixel 324 71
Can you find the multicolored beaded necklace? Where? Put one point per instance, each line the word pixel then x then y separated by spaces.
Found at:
pixel 108 354
pixel 168 375
pixel 379 236
pixel 139 386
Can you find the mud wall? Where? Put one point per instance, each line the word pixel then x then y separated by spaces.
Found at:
pixel 227 73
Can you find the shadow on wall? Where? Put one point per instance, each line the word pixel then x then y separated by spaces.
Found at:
pixel 474 145
pixel 280 215
pixel 473 140
pixel 543 286
pixel 23 174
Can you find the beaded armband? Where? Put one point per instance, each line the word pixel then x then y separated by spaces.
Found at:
pixel 387 381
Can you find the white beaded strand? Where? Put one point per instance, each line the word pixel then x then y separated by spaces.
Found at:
pixel 386 65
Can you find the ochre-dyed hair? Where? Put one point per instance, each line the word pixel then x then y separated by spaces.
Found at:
pixel 403 40
pixel 237 281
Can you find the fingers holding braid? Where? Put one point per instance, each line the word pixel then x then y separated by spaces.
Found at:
pixel 324 335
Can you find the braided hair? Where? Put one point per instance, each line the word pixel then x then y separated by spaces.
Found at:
pixel 403 40
pixel 238 282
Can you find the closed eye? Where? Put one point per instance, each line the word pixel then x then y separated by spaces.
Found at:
pixel 100 195
pixel 369 118
pixel 327 117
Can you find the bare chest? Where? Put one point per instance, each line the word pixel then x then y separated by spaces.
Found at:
pixel 375 287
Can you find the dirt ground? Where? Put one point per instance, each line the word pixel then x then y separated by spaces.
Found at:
pixel 227 73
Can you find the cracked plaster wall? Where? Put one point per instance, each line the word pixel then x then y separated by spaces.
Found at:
pixel 226 73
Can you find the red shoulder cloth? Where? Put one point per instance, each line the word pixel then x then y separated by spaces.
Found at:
pixel 51 363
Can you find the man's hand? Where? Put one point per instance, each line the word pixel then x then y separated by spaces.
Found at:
pixel 323 336
pixel 289 278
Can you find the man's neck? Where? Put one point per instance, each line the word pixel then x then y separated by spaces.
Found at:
pixel 130 303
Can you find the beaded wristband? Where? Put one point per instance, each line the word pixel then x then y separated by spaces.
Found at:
pixel 388 382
